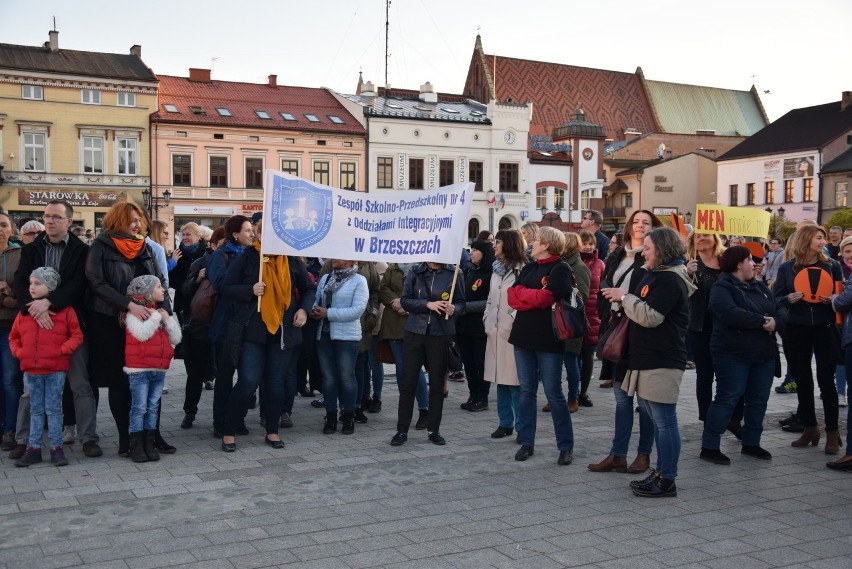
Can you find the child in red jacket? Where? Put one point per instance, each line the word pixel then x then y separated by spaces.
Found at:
pixel 148 351
pixel 45 356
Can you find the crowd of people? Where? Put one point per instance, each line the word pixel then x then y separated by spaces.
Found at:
pixel 78 316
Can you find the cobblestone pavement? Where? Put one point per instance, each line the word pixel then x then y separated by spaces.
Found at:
pixel 354 501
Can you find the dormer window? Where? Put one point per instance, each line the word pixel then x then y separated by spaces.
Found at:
pixel 312 118
pixel 287 116
pixel 335 119
pixel 263 115
pixel 171 108
pixel 223 112
pixel 197 110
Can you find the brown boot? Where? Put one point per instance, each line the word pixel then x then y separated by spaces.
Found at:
pixel 832 442
pixel 809 437
pixel 573 405
pixel 641 464
pixel 610 464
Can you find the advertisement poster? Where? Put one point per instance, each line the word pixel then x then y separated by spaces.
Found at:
pixel 799 167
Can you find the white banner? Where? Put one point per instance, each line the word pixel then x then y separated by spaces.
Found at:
pixel 303 218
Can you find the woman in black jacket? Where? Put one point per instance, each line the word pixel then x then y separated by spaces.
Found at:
pixel 115 258
pixel 811 331
pixel 272 336
pixel 471 330
pixel 429 330
pixel 743 346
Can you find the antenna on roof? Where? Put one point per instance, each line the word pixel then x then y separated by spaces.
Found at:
pixel 213 61
pixel 387 34
pixel 54 23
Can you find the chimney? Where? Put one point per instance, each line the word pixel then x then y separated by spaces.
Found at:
pixel 136 50
pixel 273 81
pixel 199 75
pixel 427 93
pixel 368 89
pixel 54 40
pixel 845 100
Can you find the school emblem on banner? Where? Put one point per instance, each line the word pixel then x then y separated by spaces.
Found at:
pixel 301 213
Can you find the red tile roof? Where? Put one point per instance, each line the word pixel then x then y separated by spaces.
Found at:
pixel 613 99
pixel 243 99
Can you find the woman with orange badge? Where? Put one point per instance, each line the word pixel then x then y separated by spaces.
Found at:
pixel 805 285
pixel 471 330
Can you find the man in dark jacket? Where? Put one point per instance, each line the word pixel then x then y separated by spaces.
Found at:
pixel 592 222
pixel 66 253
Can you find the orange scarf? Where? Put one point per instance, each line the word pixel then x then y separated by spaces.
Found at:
pixel 275 273
pixel 130 247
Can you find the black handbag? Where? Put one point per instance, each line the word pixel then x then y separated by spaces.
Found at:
pixel 236 331
pixel 568 316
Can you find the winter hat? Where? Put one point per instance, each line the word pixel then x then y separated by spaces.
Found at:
pixel 487 250
pixel 48 276
pixel 140 288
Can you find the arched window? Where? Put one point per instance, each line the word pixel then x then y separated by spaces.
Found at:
pixel 505 223
pixel 472 229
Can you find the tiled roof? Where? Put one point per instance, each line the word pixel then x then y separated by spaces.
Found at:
pixel 539 157
pixel 414 108
pixel 808 128
pixel 413 94
pixel 612 99
pixel 684 109
pixel 244 99
pixel 72 62
pixel 842 163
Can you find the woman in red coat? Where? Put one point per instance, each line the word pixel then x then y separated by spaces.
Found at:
pixel 589 255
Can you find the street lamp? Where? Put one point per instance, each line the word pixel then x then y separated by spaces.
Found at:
pixel 491 204
pixel 152 202
pixel 781 211
pixel 768 210
pixel 687 217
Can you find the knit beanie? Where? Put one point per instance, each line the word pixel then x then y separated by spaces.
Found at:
pixel 48 276
pixel 140 288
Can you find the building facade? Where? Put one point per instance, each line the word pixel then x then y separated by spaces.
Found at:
pixel 73 125
pixel 213 139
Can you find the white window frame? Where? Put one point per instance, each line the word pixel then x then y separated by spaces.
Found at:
pixel 32 147
pixel 123 99
pixel 87 149
pixel 130 155
pixel 32 92
pixel 90 96
pixel 841 187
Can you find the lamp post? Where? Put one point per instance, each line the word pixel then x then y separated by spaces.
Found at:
pixel 781 211
pixel 491 203
pixel 152 202
pixel 768 210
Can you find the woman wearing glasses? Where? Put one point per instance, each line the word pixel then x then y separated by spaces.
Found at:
pixel 30 230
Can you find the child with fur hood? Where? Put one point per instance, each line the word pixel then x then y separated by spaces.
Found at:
pixel 45 356
pixel 148 352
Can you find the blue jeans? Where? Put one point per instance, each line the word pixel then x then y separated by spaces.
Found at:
pixel 146 387
pixel 13 383
pixel 734 379
pixel 337 362
pixel 45 399
pixel 624 424
pixel 666 435
pixel 267 363
pixel 422 393
pixel 572 373
pixel 508 405
pixel 377 370
pixel 545 367
pixel 848 362
pixel 840 379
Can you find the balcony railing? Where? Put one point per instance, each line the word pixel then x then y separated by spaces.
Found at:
pixel 614 211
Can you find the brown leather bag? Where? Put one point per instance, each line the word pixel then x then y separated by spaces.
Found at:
pixel 613 344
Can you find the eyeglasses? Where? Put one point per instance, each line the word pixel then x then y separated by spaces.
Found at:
pixel 53 218
pixel 32 233
pixel 588 218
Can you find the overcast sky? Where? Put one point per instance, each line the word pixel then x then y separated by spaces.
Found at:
pixel 799 51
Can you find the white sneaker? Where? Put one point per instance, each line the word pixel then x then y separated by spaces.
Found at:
pixel 841 400
pixel 165 390
pixel 69 433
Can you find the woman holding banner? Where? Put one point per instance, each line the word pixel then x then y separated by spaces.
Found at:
pixel 804 285
pixel 431 294
pixel 272 307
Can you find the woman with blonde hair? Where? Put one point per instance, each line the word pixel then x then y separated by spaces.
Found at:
pixel 811 331
pixel 538 353
pixel 582 280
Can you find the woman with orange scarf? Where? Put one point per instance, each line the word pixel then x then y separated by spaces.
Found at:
pixel 115 258
pixel 272 335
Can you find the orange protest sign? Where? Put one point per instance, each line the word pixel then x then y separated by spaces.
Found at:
pixel 814 283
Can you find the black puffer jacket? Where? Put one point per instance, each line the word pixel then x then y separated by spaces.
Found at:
pixel 109 272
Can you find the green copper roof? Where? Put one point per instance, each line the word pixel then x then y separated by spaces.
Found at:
pixel 684 109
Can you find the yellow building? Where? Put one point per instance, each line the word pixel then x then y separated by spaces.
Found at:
pixel 73 125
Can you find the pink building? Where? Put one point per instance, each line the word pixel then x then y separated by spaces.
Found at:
pixel 213 139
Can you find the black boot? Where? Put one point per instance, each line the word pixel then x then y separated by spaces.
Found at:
pixel 149 444
pixel 359 415
pixel 421 420
pixel 137 449
pixel 348 420
pixel 330 423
